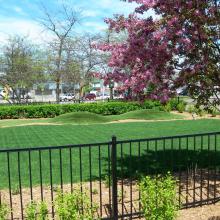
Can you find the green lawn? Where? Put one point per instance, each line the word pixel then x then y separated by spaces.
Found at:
pixel 54 135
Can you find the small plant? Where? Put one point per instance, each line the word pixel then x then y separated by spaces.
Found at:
pixel 95 191
pixel 75 206
pixel 42 211
pixel 36 211
pixel 4 210
pixel 199 111
pixel 55 188
pixel 181 107
pixel 16 190
pixel 107 181
pixel 159 198
pixel 167 107
pixel 191 109
pixel 31 211
pixel 213 112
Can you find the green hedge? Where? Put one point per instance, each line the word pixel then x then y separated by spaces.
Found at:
pixel 52 110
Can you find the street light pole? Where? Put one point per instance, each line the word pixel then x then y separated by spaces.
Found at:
pixel 111 86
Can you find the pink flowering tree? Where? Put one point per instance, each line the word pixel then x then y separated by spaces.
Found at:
pixel 178 46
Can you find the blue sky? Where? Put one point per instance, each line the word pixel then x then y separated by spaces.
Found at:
pixel 20 16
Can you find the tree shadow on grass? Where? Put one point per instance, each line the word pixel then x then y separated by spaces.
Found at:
pixel 197 172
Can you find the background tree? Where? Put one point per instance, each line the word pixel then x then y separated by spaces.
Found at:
pixel 60 25
pixel 22 66
pixel 89 59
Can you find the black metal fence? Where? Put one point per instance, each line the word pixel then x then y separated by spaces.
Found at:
pixel 109 172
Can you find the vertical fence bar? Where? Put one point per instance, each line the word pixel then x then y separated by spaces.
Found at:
pixel 81 177
pixel 51 183
pixel 180 171
pixel 20 187
pixel 114 179
pixel 187 172
pixel 194 173
pixel 100 181
pixel 139 171
pixel 215 164
pixel 208 186
pixel 201 172
pixel 122 183
pixel 9 185
pixel 30 174
pixel 71 169
pixel 41 178
pixel 130 177
pixel 61 169
pixel 90 176
pixel 109 179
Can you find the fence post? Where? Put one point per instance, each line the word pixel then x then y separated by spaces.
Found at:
pixel 114 179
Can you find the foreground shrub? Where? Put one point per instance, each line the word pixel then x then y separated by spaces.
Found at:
pixel 75 206
pixel 158 197
pixel 4 210
pixel 36 211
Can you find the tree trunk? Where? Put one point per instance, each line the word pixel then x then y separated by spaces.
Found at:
pixel 58 91
pixel 111 93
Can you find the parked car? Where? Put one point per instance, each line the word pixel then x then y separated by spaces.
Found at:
pixel 90 96
pixel 67 97
pixel 103 96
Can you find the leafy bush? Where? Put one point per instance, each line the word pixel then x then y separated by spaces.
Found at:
pixel 158 197
pixel 4 210
pixel 213 111
pixel 174 103
pixel 200 111
pixel 181 107
pixel 191 109
pixel 167 107
pixel 69 206
pixel 36 211
pixel 50 111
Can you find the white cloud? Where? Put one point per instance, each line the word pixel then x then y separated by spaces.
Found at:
pixel 18 9
pixel 89 13
pixel 95 26
pixel 22 27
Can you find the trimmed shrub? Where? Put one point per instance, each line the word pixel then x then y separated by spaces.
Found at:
pixel 50 111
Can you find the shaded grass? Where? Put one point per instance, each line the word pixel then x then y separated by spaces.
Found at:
pixel 32 136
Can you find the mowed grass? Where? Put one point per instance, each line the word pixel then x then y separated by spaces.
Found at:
pixel 65 164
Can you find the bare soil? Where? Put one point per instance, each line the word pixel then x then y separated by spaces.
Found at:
pixel 128 191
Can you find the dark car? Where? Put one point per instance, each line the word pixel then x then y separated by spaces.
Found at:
pixel 90 96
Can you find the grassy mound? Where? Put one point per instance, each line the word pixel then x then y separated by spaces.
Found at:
pixel 80 118
pixel 148 114
pixel 91 118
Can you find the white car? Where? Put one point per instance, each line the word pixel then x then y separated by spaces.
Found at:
pixel 67 97
pixel 103 96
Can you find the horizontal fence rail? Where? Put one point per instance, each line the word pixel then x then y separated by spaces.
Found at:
pixel 109 173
